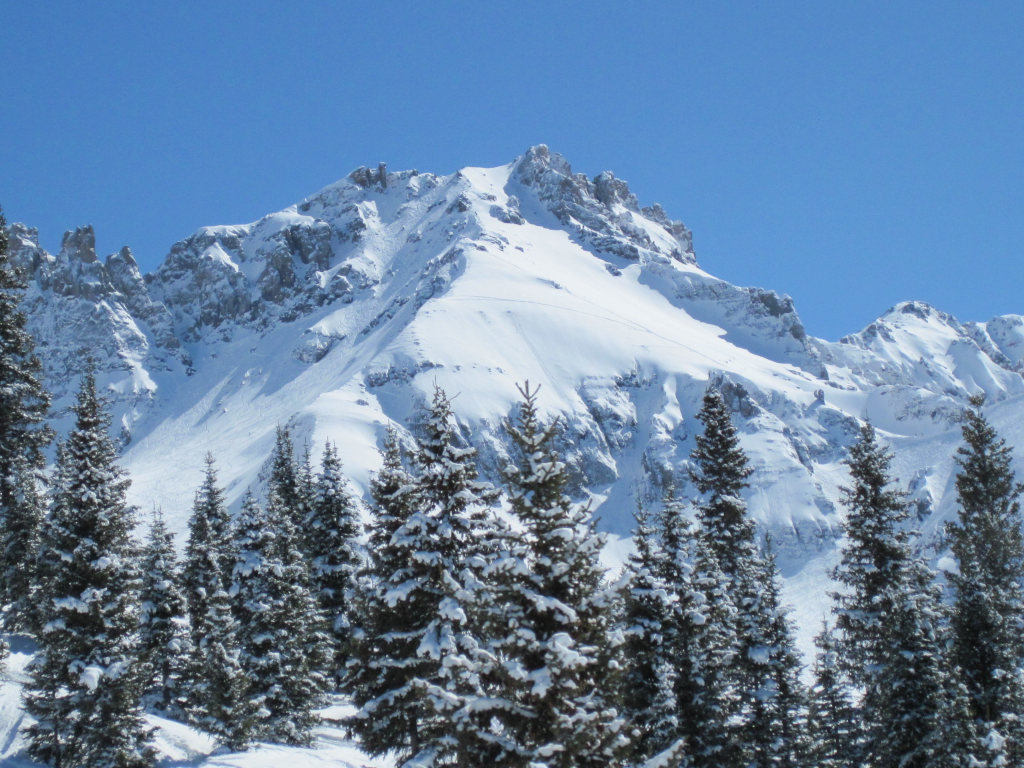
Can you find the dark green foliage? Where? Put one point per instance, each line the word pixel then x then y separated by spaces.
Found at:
pixel 557 669
pixel 23 436
pixel 87 679
pixel 163 630
pixel 332 529
pixel 383 673
pixel 988 611
pixel 835 725
pixel 768 725
pixel 284 650
pixel 290 481
pixel 649 653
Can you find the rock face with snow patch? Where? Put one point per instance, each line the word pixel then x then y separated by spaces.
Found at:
pixel 338 315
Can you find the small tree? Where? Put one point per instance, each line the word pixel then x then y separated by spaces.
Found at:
pixel 88 677
pixel 988 606
pixel 163 630
pixel 332 529
pixel 280 627
pixel 835 729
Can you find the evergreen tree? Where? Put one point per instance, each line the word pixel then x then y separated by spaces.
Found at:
pixel 424 685
pixel 218 700
pixel 768 729
pixel 875 556
pixel 284 649
pixel 834 720
pixel 87 679
pixel 891 630
pixel 649 683
pixel 385 668
pixel 163 630
pixel 23 436
pixel 288 482
pixel 332 529
pixel 988 613
pixel 209 558
pixel 556 678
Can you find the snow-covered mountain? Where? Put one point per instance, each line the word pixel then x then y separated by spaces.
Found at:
pixel 338 315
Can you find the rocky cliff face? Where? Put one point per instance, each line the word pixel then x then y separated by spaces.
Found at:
pixel 339 314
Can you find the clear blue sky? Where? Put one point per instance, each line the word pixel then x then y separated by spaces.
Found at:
pixel 851 154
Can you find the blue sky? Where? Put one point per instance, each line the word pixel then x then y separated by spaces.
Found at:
pixel 850 154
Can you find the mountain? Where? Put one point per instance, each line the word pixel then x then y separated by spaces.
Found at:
pixel 338 315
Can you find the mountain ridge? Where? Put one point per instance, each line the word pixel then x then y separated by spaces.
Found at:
pixel 338 314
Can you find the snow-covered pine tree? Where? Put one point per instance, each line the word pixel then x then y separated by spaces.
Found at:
pixel 916 707
pixel 23 435
pixel 557 677
pixel 332 529
pixel 218 700
pixel 988 603
pixel 769 726
pixel 649 652
pixel 209 558
pixel 163 629
pixel 775 711
pixel 833 717
pixel 382 673
pixel 284 650
pixel 286 479
pixel 891 631
pixel 88 677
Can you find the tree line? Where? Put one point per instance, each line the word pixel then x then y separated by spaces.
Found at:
pixel 474 625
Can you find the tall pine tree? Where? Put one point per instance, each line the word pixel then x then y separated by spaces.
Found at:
pixel 23 436
pixel 88 677
pixel 332 529
pixel 768 727
pixel 283 646
pixel 988 602
pixel 163 631
pixel 553 640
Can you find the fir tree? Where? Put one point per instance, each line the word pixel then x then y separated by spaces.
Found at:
pixel 163 630
pixel 87 679
pixel 218 700
pixel 769 724
pixel 332 529
pixel 556 678
pixel 988 611
pixel 209 558
pixel 834 720
pixel 280 627
pixel 649 683
pixel 418 696
pixel 23 436
pixel 288 482
pixel 384 671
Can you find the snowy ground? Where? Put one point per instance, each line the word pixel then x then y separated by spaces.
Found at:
pixel 180 746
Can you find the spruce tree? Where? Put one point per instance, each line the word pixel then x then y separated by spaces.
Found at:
pixel 283 646
pixel 833 716
pixel 88 677
pixel 23 436
pixel 385 669
pixel 163 630
pixel 209 558
pixel 332 529
pixel 891 630
pixel 288 481
pixel 988 603
pixel 649 622
pixel 768 727
pixel 557 676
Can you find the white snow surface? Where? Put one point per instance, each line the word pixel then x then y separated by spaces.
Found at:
pixel 339 315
